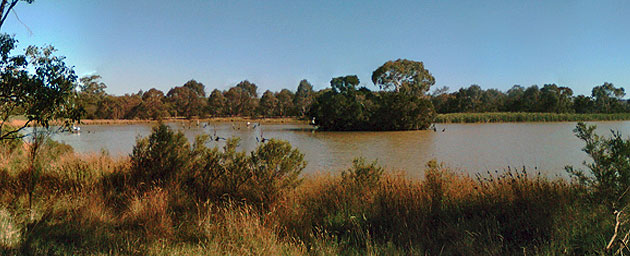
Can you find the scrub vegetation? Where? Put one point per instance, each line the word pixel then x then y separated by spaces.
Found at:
pixel 170 197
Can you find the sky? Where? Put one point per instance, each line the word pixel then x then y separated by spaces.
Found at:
pixel 142 44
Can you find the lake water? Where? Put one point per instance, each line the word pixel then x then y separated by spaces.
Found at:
pixel 470 148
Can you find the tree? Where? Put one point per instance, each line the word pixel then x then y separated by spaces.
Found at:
pixel 249 88
pixel 344 107
pixel 442 100
pixel 6 6
pixel 111 107
pixel 196 87
pixel 583 104
pixel 403 75
pixel 303 98
pixel 186 101
pixel 607 98
pixel 469 99
pixel 153 105
pixel 268 104
pixel 216 103
pixel 345 85
pixel 514 99
pixel 242 99
pixel 234 98
pixel 92 92
pixel 285 103
pixel 531 99
pixel 42 96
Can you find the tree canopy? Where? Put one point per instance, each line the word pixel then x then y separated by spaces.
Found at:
pixel 403 75
pixel 41 96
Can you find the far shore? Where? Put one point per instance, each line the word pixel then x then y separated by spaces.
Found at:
pixel 491 117
pixel 266 120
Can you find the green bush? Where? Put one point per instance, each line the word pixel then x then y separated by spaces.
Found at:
pixel 159 157
pixel 609 172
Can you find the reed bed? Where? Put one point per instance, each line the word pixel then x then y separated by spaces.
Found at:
pixel 526 117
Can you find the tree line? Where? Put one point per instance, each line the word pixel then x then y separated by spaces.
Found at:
pixel 551 98
pixel 190 100
pixel 343 97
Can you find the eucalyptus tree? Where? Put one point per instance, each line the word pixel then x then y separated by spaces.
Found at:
pixel 216 103
pixel 607 98
pixel 37 85
pixel 7 6
pixel 403 75
pixel 303 98
pixel 268 104
pixel 285 103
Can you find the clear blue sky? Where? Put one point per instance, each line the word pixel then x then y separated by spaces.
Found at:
pixel 142 44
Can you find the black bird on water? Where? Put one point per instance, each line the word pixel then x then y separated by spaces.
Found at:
pixel 262 139
pixel 216 138
pixel 443 129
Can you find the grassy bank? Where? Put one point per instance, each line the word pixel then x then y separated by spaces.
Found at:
pixel 172 198
pixel 525 117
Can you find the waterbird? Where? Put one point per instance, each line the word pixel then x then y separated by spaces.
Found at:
pixel 216 138
pixel 443 129
pixel 262 139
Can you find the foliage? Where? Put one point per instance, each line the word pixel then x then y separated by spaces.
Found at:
pixel 268 104
pixel 403 75
pixel 362 210
pixel 608 180
pixel 346 108
pixel 551 98
pixel 303 98
pixel 609 171
pixel 187 100
pixel 166 159
pixel 41 96
pixel 159 158
pixel 216 103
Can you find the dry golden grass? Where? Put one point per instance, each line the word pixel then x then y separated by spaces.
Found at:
pixel 84 205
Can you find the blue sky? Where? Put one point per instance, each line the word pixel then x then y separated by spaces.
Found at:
pixel 143 44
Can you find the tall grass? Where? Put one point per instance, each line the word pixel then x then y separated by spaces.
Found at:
pixel 96 204
pixel 525 117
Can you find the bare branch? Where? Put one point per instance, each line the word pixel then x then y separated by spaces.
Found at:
pixel 5 13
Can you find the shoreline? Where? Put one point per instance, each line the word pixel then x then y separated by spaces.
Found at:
pixel 267 120
pixel 450 118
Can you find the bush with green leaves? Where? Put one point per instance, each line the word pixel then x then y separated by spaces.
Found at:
pixel 165 158
pixel 608 176
pixel 159 157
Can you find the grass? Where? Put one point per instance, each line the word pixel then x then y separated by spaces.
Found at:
pixel 525 117
pixel 90 205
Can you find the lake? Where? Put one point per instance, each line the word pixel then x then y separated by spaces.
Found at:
pixel 470 148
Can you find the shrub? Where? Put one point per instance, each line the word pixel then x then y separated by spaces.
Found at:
pixel 276 169
pixel 609 173
pixel 159 157
pixel 362 174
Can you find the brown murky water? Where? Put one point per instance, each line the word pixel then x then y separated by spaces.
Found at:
pixel 470 148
